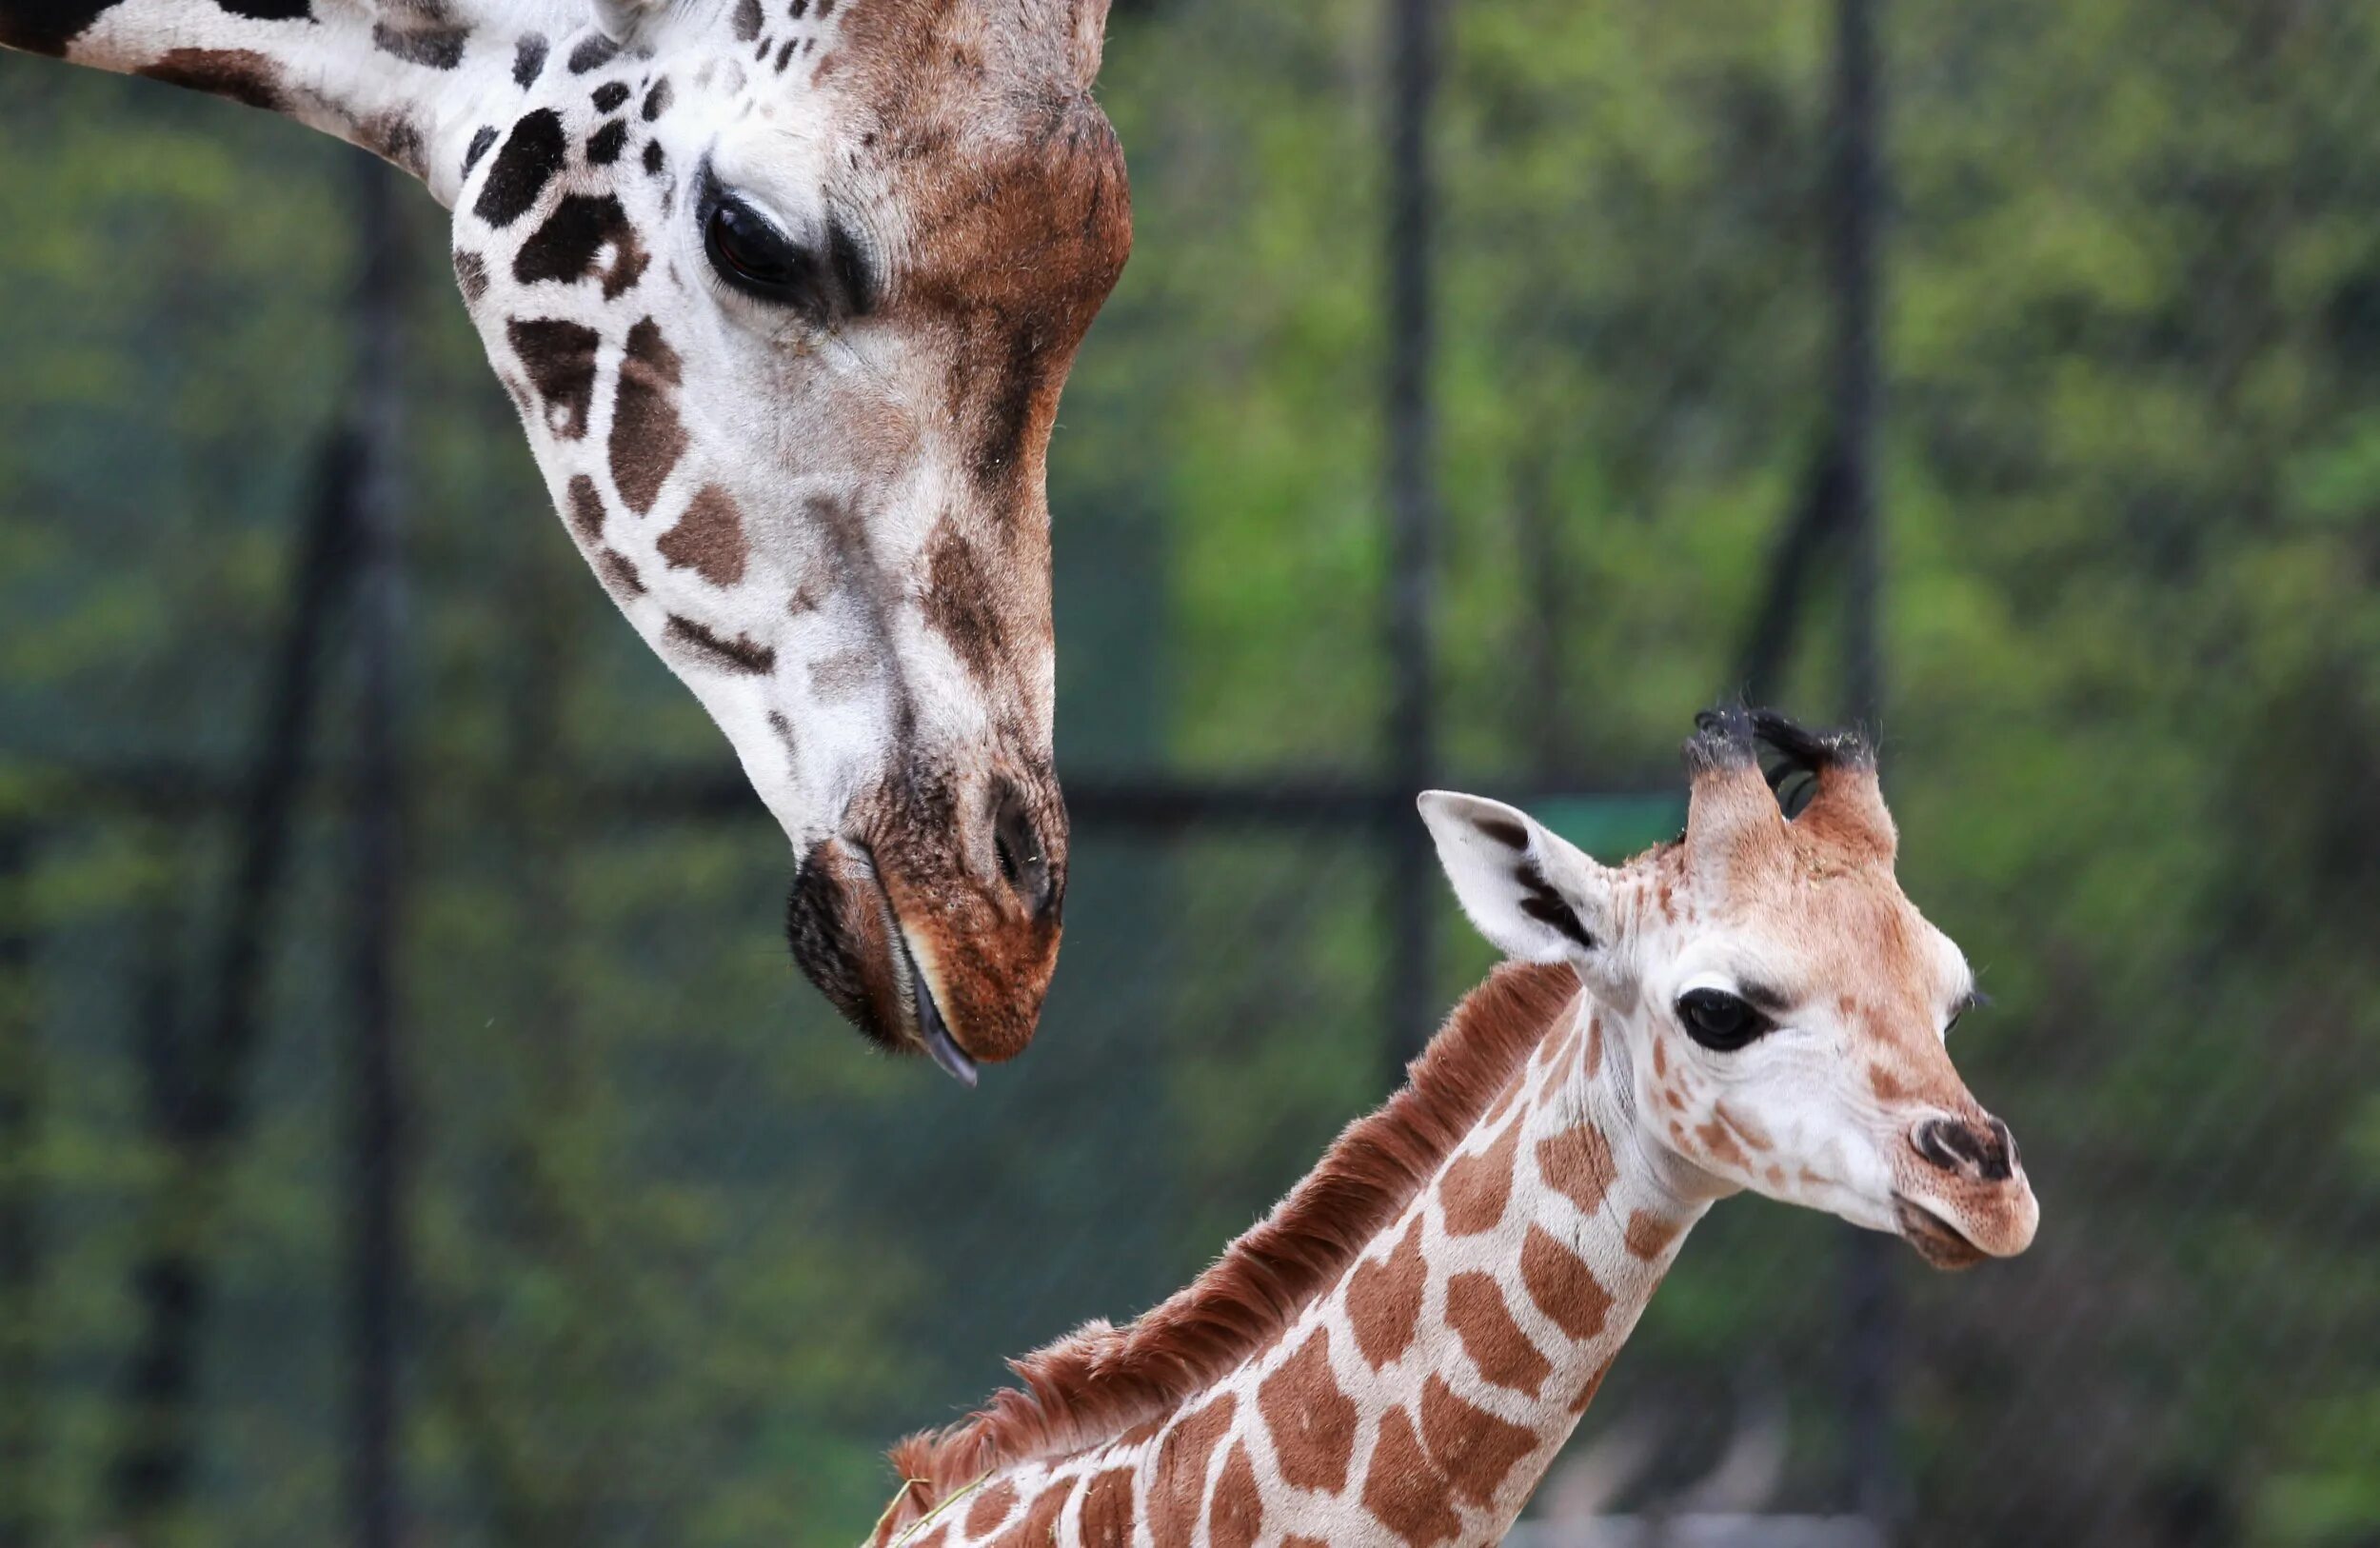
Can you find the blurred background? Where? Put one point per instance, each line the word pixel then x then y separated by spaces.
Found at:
pixel 411 1127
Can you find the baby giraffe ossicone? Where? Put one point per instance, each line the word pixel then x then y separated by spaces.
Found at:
pixel 1397 1353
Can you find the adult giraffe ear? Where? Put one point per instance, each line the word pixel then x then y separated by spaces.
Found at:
pixel 624 21
pixel 1089 41
pixel 1531 894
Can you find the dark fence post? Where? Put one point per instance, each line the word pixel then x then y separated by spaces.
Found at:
pixel 376 1258
pixel 24 1384
pixel 1411 423
pixel 1856 195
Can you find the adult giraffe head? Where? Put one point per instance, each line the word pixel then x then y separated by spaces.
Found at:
pixel 786 293
pixel 1782 1004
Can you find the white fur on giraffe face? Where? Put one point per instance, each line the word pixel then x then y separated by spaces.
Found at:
pixel 822 507
pixel 1845 1100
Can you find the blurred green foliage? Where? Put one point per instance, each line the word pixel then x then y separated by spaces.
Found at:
pixel 689 1259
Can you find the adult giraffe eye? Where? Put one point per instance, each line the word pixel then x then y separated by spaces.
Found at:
pixel 1719 1020
pixel 758 259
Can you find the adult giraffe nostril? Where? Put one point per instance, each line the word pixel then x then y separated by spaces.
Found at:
pixel 1022 853
pixel 1984 1151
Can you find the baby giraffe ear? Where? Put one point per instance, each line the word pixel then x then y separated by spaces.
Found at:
pixel 1535 896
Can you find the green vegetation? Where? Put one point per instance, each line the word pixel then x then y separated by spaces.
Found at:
pixel 688 1257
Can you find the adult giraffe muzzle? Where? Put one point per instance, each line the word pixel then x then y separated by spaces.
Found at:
pixel 786 294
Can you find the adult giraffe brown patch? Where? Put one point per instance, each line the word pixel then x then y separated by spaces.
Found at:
pixel 619 574
pixel 960 602
pixel 1564 1288
pixel 1384 1298
pixel 1474 1449
pixel 1477 1312
pixel 990 1507
pixel 432 48
pixel 470 274
pixel 240 74
pixel 1178 1477
pixel 1236 1516
pixel 1312 1421
pixel 1478 1186
pixel 1106 1518
pixel 1650 1235
pixel 734 653
pixel 584 237
pixel 532 154
pixel 1578 1164
pixel 584 508
pixel 559 358
pixel 710 537
pixel 647 437
pixel 1405 1491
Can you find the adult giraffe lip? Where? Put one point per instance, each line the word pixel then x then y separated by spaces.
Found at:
pixel 933 1033
pixel 926 1015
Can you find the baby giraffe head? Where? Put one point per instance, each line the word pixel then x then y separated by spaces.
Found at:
pixel 1777 1008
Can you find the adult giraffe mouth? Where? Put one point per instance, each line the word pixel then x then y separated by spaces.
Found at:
pixel 847 936
pixel 931 1032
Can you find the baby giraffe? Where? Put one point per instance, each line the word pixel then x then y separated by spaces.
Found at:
pixel 1398 1352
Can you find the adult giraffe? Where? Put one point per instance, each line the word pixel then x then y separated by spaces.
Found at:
pixel 1396 1356
pixel 786 294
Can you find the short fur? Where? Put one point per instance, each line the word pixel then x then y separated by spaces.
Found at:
pixel 1093 1386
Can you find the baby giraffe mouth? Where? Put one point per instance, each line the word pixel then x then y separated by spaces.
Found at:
pixel 1941 1244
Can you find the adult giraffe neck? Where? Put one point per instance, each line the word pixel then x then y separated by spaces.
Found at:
pixel 1421 1395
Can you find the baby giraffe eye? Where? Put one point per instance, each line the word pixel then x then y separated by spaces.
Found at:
pixel 1719 1020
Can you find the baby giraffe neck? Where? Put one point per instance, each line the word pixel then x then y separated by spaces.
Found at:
pixel 1423 1397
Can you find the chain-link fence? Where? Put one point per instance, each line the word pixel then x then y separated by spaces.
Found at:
pixel 2012 370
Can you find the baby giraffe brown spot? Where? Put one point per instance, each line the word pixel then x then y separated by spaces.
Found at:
pixel 1477 1188
pixel 1405 1491
pixel 1577 1163
pixel 1564 1288
pixel 1476 1310
pixel 1474 1449
pixel 1312 1421
pixel 1384 1298
pixel 708 539
pixel 1237 1517
pixel 1178 1477
pixel 618 573
pixel 647 437
pixel 990 1508
pixel 1885 1085
pixel 1039 1528
pixel 1649 1235
pixel 1719 1145
pixel 1107 1508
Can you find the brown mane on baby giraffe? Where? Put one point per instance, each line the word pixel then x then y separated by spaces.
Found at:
pixel 1099 1381
pixel 1397 1353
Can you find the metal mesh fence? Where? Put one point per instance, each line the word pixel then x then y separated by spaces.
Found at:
pixel 680 1259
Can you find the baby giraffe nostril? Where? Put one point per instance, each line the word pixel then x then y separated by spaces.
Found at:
pixel 1973 1150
